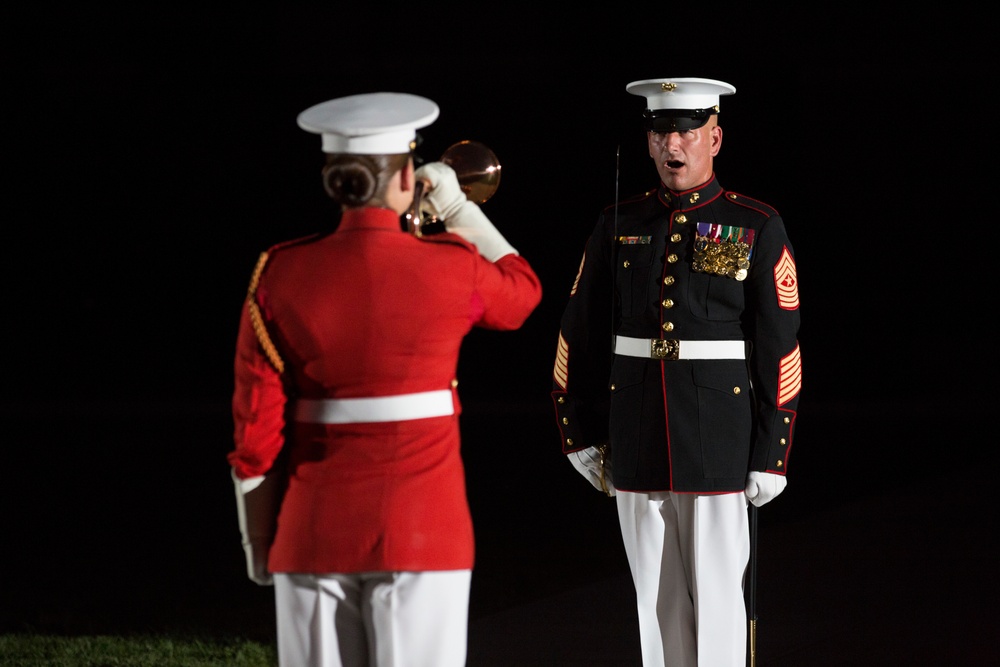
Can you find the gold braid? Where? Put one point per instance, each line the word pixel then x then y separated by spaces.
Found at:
pixel 258 321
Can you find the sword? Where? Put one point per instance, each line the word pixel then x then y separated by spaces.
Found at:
pixel 752 604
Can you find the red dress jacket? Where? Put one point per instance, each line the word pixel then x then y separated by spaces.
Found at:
pixel 367 311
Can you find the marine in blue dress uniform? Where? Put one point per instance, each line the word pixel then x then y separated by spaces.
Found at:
pixel 677 375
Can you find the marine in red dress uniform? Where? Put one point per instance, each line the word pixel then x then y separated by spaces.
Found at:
pixel 346 410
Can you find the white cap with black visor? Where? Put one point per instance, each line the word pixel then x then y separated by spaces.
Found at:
pixel 676 105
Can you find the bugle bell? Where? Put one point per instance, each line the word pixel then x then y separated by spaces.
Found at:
pixel 478 172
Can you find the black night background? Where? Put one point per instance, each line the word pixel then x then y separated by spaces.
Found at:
pixel 155 154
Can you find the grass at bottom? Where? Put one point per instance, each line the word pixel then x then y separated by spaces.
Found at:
pixel 31 650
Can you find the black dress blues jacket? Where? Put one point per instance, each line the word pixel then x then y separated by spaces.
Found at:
pixel 708 277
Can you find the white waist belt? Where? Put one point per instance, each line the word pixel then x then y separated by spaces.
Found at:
pixel 668 348
pixel 379 409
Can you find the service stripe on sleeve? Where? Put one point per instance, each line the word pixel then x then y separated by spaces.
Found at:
pixel 559 373
pixel 789 376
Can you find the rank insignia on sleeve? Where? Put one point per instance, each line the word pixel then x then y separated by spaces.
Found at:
pixel 634 240
pixel 786 283
pixel 723 250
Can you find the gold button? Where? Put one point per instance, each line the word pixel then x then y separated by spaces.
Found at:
pixel 668 326
pixel 731 195
pixel 780 463
pixel 561 399
pixel 669 280
pixel 667 303
pixel 675 237
pixel 787 420
pixel 569 441
pixel 782 441
pixel 612 387
pixel 625 263
pixel 454 383
pixel 565 420
pixel 736 390
pixel 672 258
pixel 681 218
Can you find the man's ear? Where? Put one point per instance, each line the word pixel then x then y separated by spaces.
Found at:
pixel 716 140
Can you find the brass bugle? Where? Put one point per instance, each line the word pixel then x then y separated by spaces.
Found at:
pixel 478 172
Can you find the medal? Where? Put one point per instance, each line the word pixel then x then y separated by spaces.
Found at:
pixel 722 250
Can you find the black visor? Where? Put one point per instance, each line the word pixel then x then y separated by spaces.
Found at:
pixel 676 120
pixel 417 140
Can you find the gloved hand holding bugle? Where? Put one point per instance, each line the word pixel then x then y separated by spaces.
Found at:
pixel 443 198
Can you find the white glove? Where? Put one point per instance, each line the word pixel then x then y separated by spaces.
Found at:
pixel 254 502
pixel 445 200
pixel 592 465
pixel 763 487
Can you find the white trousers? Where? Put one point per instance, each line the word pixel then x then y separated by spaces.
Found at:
pixel 688 554
pixel 379 619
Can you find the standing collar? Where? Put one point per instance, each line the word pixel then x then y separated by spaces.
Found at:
pixel 688 199
pixel 370 217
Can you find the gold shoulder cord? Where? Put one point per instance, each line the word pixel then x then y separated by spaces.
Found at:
pixel 258 321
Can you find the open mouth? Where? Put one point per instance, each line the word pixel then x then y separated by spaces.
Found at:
pixel 675 164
